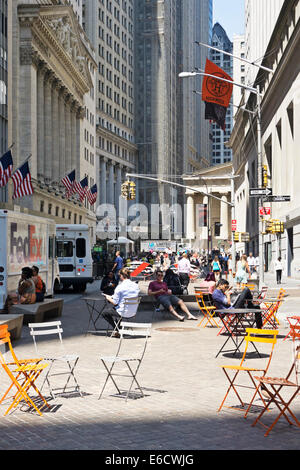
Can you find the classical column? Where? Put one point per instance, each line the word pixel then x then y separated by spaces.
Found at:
pixel 205 230
pixel 79 133
pixel 40 121
pixel 111 181
pixel 55 131
pixel 224 219
pixel 49 77
pixel 27 113
pixel 118 188
pixel 68 147
pixel 73 110
pixel 103 181
pixel 62 139
pixel 190 224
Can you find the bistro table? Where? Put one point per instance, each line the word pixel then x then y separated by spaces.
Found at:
pixel 96 311
pixel 239 319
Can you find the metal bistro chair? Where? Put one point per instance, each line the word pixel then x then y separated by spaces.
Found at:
pixel 131 305
pixel 23 374
pixel 273 386
pixel 132 361
pixel 253 335
pixel 61 363
pixel 205 305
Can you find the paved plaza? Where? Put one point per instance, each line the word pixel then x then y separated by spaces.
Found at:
pixel 182 381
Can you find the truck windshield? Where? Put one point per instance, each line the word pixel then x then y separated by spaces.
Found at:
pixel 80 248
pixel 64 249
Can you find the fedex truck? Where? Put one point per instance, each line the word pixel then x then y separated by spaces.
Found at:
pixel 74 256
pixel 26 240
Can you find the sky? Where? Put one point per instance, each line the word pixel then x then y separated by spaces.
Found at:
pixel 230 15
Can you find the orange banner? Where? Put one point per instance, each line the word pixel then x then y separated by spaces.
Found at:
pixel 139 269
pixel 215 90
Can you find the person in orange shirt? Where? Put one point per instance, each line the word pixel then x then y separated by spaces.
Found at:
pixel 39 284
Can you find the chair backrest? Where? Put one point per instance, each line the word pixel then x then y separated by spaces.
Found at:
pixel 52 328
pixel 263 293
pixel 5 339
pixel 295 332
pixel 130 307
pixel 138 330
pixel 255 335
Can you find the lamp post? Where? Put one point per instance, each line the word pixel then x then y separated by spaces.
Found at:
pixel 259 156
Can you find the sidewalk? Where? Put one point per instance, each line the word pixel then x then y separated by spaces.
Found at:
pixel 183 383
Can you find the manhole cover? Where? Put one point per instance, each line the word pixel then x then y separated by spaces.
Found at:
pixel 176 329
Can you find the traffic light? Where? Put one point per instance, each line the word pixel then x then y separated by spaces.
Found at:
pixel 125 190
pixel 274 226
pixel 265 176
pixel 132 192
pixel 218 226
pixel 236 236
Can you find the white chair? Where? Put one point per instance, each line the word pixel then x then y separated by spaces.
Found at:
pixel 61 363
pixel 132 361
pixel 131 306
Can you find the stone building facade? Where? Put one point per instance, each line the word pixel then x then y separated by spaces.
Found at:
pixel 49 76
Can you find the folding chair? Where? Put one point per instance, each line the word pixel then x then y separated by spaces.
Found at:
pixel 23 374
pixel 253 336
pixel 205 305
pixel 273 386
pixel 131 305
pixel 61 363
pixel 262 294
pixel 294 323
pixel 269 311
pixel 133 362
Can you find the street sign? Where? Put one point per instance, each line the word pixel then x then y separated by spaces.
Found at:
pixel 257 192
pixel 265 211
pixel 234 226
pixel 278 199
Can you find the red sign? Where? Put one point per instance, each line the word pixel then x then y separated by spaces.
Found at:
pixel 265 211
pixel 234 225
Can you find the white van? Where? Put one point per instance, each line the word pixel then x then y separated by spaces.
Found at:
pixel 74 256
pixel 26 240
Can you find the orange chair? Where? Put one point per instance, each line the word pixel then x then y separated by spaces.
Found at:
pixel 23 374
pixel 257 336
pixel 294 323
pixel 272 387
pixel 206 307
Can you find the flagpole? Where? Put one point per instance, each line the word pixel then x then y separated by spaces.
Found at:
pixel 26 160
pixel 234 56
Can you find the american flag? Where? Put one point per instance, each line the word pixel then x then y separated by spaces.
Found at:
pixel 92 194
pixel 6 168
pixel 22 182
pixel 69 182
pixel 82 188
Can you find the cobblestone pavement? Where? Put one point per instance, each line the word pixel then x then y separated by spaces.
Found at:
pixel 183 384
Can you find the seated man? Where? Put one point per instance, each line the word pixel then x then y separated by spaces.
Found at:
pixel 164 296
pixel 126 289
pixel 108 284
pixel 222 300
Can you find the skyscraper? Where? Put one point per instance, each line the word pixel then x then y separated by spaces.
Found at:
pixel 220 40
pixel 3 86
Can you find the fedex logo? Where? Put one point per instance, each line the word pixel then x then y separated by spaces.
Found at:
pixel 27 248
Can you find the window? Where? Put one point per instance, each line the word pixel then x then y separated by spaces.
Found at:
pixel 64 249
pixel 80 248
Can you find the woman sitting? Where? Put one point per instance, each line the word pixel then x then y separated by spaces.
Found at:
pixel 26 290
pixel 209 282
pixel 108 284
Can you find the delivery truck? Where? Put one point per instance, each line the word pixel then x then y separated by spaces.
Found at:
pixel 74 256
pixel 26 240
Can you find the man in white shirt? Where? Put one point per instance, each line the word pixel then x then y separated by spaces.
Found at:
pixel 251 263
pixel 125 290
pixel 184 268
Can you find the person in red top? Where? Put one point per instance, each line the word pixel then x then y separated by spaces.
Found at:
pixel 165 297
pixel 39 287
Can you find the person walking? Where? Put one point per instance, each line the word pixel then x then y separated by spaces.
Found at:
pixel 184 269
pixel 216 267
pixel 242 271
pixel 251 263
pixel 278 269
pixel 118 265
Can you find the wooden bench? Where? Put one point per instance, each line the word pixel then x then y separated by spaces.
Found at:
pixel 147 301
pixel 36 313
pixel 14 322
